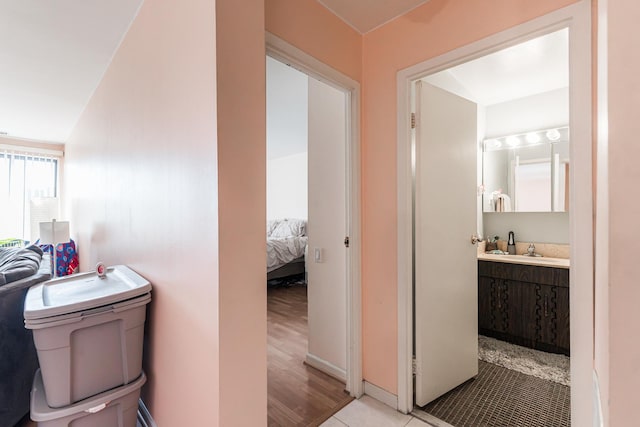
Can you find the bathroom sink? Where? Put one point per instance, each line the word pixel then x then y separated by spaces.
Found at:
pixel 516 257
pixel 526 259
pixel 529 257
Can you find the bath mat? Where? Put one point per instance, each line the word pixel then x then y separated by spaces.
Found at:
pixel 547 366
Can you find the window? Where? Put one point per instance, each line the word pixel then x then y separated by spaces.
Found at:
pixel 24 177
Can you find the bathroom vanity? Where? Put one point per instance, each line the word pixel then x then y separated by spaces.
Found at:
pixel 525 301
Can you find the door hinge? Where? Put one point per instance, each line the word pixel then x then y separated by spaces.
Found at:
pixel 414 366
pixel 346 242
pixel 413 120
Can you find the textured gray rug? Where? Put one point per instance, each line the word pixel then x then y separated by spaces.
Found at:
pixel 547 366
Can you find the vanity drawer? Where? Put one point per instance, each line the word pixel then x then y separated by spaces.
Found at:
pixel 561 277
pixel 521 272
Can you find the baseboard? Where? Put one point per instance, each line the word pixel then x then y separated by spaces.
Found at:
pixel 326 367
pixel 381 395
pixel 144 416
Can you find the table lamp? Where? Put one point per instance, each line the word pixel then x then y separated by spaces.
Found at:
pixel 52 233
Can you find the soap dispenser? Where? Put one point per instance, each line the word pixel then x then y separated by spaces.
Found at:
pixel 511 244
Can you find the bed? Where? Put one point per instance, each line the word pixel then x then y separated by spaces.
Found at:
pixel 286 247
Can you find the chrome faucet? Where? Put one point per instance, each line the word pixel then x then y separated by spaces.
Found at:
pixel 531 250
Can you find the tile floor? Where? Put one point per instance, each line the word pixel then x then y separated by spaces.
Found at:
pixel 368 412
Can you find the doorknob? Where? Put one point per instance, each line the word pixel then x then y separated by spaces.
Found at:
pixel 475 239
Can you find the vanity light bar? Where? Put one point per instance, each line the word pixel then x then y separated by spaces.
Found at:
pixel 530 138
pixel 513 140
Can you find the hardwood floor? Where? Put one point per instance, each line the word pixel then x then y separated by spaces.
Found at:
pixel 298 395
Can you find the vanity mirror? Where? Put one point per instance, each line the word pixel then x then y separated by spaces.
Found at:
pixel 527 172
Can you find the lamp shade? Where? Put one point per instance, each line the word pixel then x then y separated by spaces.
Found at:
pixel 54 232
pixel 41 209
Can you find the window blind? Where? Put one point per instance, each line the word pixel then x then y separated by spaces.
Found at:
pixel 25 175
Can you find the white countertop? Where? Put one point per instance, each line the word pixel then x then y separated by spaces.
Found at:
pixel 527 260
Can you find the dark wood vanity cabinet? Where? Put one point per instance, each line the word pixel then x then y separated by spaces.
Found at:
pixel 524 304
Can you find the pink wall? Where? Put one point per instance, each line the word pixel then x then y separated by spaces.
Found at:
pixel 141 190
pixel 428 31
pixel 242 204
pixel 142 160
pixel 624 211
pixel 310 27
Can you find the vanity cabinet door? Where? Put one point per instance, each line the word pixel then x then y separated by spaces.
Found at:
pixel 546 315
pixel 484 304
pixel 563 326
pixel 493 316
pixel 552 318
pixel 522 310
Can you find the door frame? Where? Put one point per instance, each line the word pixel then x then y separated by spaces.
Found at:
pixel 281 50
pixel 577 18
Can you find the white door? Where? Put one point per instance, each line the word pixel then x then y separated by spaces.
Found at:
pixel 446 296
pixel 326 258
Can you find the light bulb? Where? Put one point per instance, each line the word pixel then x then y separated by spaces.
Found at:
pixel 553 135
pixel 533 138
pixel 492 143
pixel 513 141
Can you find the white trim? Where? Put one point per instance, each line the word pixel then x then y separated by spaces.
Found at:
pixel 581 235
pixel 283 51
pixel 279 49
pixel 405 248
pixel 577 18
pixel 30 140
pixel 326 367
pixel 32 150
pixel 381 395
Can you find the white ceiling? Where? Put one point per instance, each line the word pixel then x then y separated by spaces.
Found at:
pixel 53 55
pixel 365 15
pixel 536 66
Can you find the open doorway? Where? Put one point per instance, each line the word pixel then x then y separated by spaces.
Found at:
pixel 507 302
pixel 513 305
pixel 309 246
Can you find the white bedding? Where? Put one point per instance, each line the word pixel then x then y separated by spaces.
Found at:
pixel 283 250
pixel 286 241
